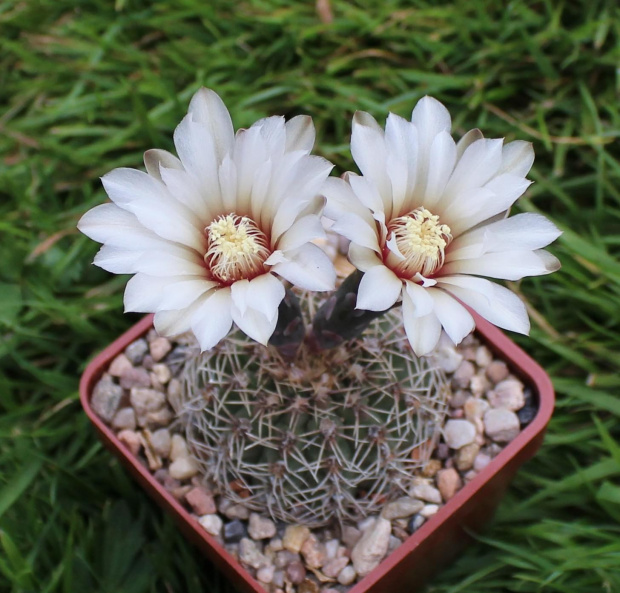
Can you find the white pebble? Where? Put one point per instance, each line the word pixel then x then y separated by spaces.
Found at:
pixel 501 425
pixel 458 433
pixel 347 575
pixel 212 524
pixel 429 510
pixel 372 546
pixel 183 468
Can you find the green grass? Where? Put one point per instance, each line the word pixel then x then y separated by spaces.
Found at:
pixel 87 86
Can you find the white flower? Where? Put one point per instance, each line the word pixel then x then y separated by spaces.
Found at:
pixel 207 234
pixel 428 217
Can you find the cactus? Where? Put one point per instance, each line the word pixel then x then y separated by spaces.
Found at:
pixel 331 434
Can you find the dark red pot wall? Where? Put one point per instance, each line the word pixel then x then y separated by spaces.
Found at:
pixel 435 543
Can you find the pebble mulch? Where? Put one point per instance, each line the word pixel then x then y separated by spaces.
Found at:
pixel 488 409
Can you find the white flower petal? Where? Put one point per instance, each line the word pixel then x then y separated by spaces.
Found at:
pixel 369 153
pixel 517 158
pixel 303 230
pixel 479 163
pixel 495 303
pixel 165 262
pixel 366 192
pixel 227 174
pixel 526 231
pixel 312 174
pixel 143 292
pixel 467 139
pixel 307 267
pixel 273 133
pixel 186 189
pixel 184 292
pixel 156 158
pixel 363 258
pixel 196 148
pixel 118 261
pixel 356 229
pixel 442 159
pixel 423 332
pixel 268 293
pixel 277 257
pixel 300 133
pixel 107 223
pixel 212 320
pixel 379 289
pixel 207 108
pixel 255 324
pixel 430 118
pixel 263 293
pixel 172 323
pixel 259 196
pixel 455 319
pixel 505 265
pixel 421 302
pixel 342 200
pixel 148 199
pixel 401 141
pixel 250 153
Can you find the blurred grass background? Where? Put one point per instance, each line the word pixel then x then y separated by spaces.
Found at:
pixel 88 85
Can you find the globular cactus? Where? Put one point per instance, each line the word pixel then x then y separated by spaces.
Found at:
pixel 332 434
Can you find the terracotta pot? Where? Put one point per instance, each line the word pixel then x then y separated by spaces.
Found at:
pixel 424 552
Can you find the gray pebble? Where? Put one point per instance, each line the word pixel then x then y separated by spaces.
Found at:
pixel 234 532
pixel 497 371
pixel 250 553
pixel 295 572
pixel 135 377
pixel 401 508
pixel 415 523
pixel 333 567
pixel 237 511
pixel 124 419
pixel 120 365
pixel 372 546
pixel 426 492
pixel 501 425
pixel 106 398
pixel 261 527
pixel 462 376
pixel 136 350
pixel 145 401
pixel 507 394
pixel 161 442
pixel 159 347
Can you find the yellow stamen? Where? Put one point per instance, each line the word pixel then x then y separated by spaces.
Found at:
pixel 421 239
pixel 236 248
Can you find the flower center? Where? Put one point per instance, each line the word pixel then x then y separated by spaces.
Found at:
pixel 421 239
pixel 236 248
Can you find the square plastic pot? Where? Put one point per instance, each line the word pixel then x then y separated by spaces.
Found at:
pixel 430 547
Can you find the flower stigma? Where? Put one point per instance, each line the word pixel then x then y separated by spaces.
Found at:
pixel 421 240
pixel 236 248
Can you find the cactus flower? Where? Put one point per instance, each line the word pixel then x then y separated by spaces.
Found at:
pixel 210 235
pixel 428 217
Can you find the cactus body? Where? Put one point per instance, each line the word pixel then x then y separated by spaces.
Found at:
pixel 330 435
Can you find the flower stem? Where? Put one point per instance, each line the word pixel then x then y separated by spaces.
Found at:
pixel 338 320
pixel 290 331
